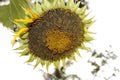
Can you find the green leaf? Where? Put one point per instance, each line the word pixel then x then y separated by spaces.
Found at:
pixel 24 52
pixel 57 64
pixel 37 63
pixel 63 62
pixel 31 59
pixel 96 70
pixel 47 65
pixel 94 64
pixel 12 11
pixel 103 62
pixel 22 47
pixel 100 55
pixel 50 0
pixel 88 38
pixel 94 53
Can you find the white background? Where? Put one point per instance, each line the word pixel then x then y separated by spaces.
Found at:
pixel 107 28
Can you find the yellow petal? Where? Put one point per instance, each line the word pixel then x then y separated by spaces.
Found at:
pixel 18 34
pixel 24 20
pixel 35 16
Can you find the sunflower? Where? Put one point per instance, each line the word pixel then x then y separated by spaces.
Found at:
pixel 53 31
